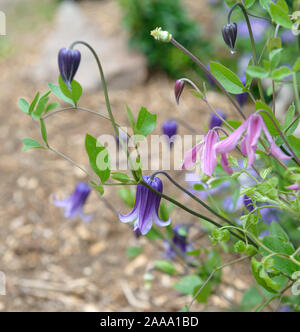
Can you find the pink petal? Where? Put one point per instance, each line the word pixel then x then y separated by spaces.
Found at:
pixel 293 187
pixel 229 143
pixel 275 151
pixel 225 164
pixel 191 156
pixel 209 156
pixel 254 129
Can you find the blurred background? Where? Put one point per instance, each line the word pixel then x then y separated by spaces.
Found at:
pixel 55 264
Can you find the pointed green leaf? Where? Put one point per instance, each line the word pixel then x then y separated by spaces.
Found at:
pixel 227 78
pixel 146 122
pixel 23 105
pixel 30 143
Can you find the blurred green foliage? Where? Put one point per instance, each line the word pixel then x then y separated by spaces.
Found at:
pixel 142 16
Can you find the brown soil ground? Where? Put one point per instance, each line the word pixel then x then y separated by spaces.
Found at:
pixel 53 264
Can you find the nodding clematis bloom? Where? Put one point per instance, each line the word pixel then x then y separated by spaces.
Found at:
pixel 248 203
pixel 179 240
pixel 229 32
pixel 207 154
pixel 268 214
pixel 75 202
pixel 169 128
pixel 293 187
pixel 252 128
pixel 179 86
pixel 146 207
pixel 68 63
pixel 215 121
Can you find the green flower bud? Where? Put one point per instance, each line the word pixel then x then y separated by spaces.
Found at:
pixel 240 247
pixel 161 35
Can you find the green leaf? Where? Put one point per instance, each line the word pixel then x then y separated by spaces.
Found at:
pixel 75 92
pixel 296 66
pixel 275 57
pixel 187 285
pixel 146 122
pixel 249 3
pixel 30 143
pixel 97 187
pixel 55 89
pixel 289 119
pixel 257 72
pixel 51 107
pixel 23 105
pixel 41 105
pixel 130 118
pixel 121 177
pixel 277 231
pixel 283 5
pixel 280 16
pixel 165 266
pixel 262 277
pixel 259 105
pixel 227 78
pixel 251 299
pixel 44 131
pixel 265 3
pixel 133 252
pixel 99 157
pixel 32 105
pixel 204 294
pixel 127 195
pixel 281 73
pixel 295 144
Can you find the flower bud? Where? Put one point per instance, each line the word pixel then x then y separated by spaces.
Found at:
pixel 229 32
pixel 68 63
pixel 161 35
pixel 179 86
pixel 169 128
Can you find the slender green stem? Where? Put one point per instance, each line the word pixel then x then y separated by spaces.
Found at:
pixel 108 105
pixel 296 93
pixel 194 213
pixel 201 65
pixel 254 52
pixel 212 275
pixel 72 162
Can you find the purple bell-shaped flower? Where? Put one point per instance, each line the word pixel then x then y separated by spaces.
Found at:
pixel 146 208
pixel 68 63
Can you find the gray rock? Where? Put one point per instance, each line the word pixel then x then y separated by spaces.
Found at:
pixel 122 68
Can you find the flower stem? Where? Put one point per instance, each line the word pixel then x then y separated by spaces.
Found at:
pixel 296 93
pixel 194 213
pixel 254 52
pixel 108 106
pixel 201 65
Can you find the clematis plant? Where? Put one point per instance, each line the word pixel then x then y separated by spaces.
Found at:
pixel 245 195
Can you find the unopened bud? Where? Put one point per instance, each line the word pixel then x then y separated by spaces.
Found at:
pixel 161 35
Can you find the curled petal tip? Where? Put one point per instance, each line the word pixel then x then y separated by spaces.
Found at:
pixel 179 86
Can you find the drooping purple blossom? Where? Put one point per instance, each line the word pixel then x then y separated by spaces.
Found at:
pixel 74 204
pixel 258 26
pixel 179 240
pixel 215 120
pixel 252 128
pixel 179 86
pixel 229 33
pixel 169 128
pixel 242 97
pixel 68 63
pixel 248 203
pixel 146 208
